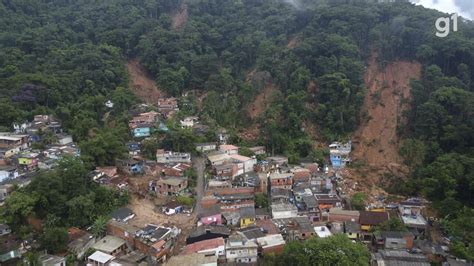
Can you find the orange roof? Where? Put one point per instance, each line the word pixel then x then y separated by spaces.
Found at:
pixel 204 245
pixel 239 157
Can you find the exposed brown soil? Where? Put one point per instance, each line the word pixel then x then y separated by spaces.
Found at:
pixel 388 92
pixel 142 85
pixel 376 142
pixel 262 101
pixel 179 18
pixel 293 42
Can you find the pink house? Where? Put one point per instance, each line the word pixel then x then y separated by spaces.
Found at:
pixel 215 219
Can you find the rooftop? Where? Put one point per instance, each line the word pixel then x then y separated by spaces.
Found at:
pixel 322 231
pixel 281 175
pixel 173 181
pixel 283 207
pixel 252 232
pixel 121 213
pixel 228 147
pixel 191 259
pixel 247 212
pixel 101 257
pixel 240 158
pixel 372 217
pixel 204 245
pixel 414 220
pixel 108 244
pixel 271 241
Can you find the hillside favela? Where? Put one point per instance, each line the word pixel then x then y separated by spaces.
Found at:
pixel 237 132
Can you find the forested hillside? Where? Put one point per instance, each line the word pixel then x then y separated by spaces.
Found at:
pixel 68 58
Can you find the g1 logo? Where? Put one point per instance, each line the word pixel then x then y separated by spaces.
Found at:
pixel 443 25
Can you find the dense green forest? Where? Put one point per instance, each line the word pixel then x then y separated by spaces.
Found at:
pixel 68 58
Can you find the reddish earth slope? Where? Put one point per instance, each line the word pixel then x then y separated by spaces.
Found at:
pixel 179 18
pixel 141 84
pixel 388 90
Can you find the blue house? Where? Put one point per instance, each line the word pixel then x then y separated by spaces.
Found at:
pixel 142 130
pixel 132 166
pixel 133 148
pixel 339 154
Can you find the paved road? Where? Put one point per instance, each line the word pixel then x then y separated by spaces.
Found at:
pixel 199 164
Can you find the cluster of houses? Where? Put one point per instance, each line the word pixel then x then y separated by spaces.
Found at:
pixel 19 157
pixel 303 202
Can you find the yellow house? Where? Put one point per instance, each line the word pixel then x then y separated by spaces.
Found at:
pixel 28 159
pixel 247 216
pixel 352 230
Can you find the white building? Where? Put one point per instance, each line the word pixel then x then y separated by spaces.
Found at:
pixel 248 163
pixel 163 156
pixel 239 250
pixel 284 210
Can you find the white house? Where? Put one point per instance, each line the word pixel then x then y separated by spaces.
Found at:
pixel 248 162
pixel 205 147
pixel 240 250
pixel 8 172
pixel 284 210
pixel 189 121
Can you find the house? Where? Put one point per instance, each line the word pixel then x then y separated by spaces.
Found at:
pixel 210 216
pixel 394 240
pixel 131 166
pixel 51 260
pixel 284 210
pixel 216 184
pixel 217 158
pixel 5 191
pixel 125 231
pixel 215 246
pixel 79 242
pixel 295 228
pixel 280 195
pixel 248 162
pixel 207 232
pixel 328 201
pixel 340 215
pixel 4 230
pixel 411 213
pixel 258 150
pixel 163 156
pixel 133 148
pixel 339 154
pixel 369 219
pixel 310 208
pixel 301 174
pixel 229 149
pixel 142 130
pixel 251 232
pixel 277 160
pixel 222 136
pixel 99 258
pixel 398 257
pixel 231 218
pixel 352 230
pixel 111 245
pixel 271 244
pixel 281 180
pixel 9 140
pixel 262 214
pixel 167 106
pixel 189 121
pixel 226 171
pixel 169 186
pixel 197 259
pixel 322 231
pixel 206 147
pixel 240 250
pixel 122 215
pixel 8 172
pixel 27 160
pixel 247 216
pixel 64 139
pixel 132 258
